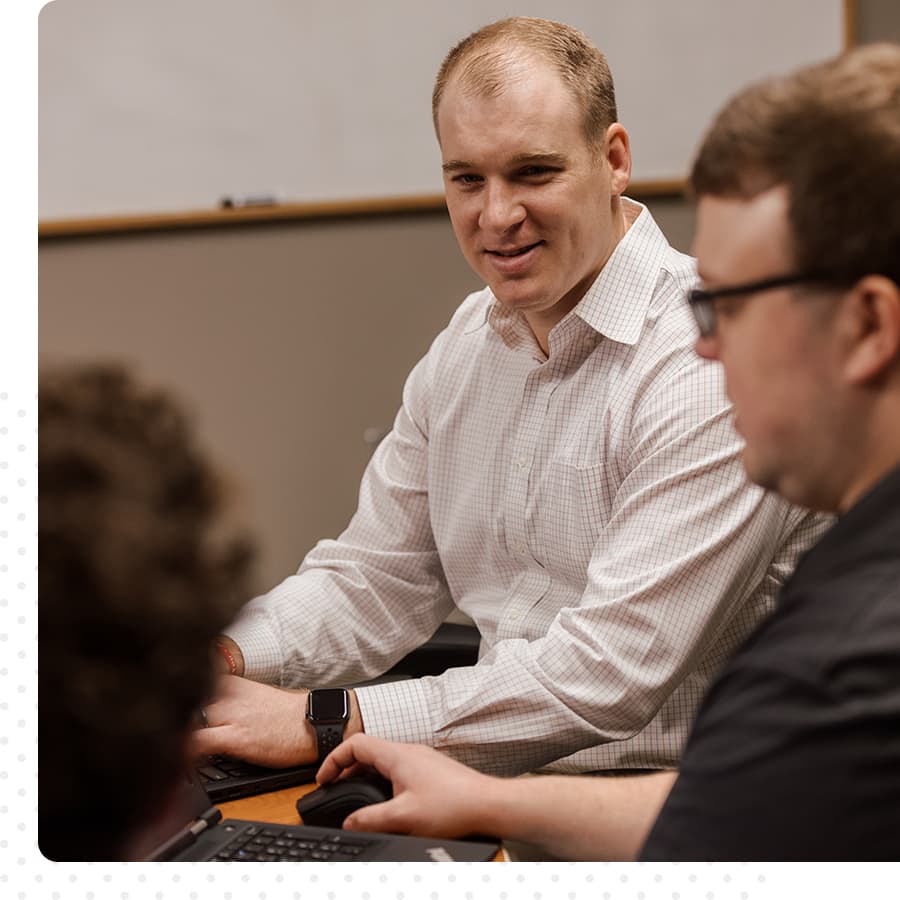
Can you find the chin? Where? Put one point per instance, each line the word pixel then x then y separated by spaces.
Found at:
pixel 794 490
pixel 760 474
pixel 514 299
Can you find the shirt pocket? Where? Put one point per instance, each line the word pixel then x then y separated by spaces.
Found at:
pixel 573 506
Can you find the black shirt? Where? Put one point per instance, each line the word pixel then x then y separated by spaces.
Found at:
pixel 795 754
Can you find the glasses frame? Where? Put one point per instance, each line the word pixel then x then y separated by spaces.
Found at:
pixel 702 301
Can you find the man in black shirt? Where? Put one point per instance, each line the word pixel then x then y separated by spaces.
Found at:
pixel 796 750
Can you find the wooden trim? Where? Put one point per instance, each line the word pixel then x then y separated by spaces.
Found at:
pixel 285 212
pixel 215 218
pixel 850 20
pixel 660 187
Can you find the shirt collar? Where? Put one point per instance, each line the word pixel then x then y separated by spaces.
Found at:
pixel 616 304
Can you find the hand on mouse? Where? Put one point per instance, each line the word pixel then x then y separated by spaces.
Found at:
pixel 434 796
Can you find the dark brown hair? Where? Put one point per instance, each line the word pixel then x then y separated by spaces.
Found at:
pixel 489 57
pixel 134 583
pixel 831 134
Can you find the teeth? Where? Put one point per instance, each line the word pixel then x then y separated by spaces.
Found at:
pixel 513 252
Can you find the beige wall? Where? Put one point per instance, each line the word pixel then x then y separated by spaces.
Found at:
pixel 287 341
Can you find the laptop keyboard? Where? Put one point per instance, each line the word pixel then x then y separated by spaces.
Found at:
pixel 254 843
pixel 218 768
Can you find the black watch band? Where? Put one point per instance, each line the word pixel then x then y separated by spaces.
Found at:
pixel 328 711
pixel 327 738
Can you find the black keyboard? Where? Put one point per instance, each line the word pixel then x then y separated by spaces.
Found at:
pixel 255 843
pixel 225 778
pixel 218 768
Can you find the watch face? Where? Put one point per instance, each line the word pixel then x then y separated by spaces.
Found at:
pixel 328 705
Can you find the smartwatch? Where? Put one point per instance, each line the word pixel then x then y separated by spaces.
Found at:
pixel 328 711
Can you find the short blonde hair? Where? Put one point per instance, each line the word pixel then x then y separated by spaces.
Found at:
pixel 489 57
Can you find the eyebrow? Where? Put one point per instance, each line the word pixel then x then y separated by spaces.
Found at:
pixel 454 165
pixel 539 158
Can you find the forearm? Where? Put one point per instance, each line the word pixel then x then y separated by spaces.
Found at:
pixel 378 587
pixel 313 629
pixel 521 708
pixel 576 817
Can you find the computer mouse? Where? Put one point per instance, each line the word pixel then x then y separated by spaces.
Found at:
pixel 327 806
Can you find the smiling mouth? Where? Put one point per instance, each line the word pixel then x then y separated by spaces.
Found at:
pixel 510 254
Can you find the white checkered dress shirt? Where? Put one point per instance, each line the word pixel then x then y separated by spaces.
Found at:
pixel 589 512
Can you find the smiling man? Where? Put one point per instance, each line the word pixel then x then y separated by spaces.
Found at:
pixel 535 206
pixel 794 755
pixel 563 470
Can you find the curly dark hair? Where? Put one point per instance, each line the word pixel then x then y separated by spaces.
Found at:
pixel 134 582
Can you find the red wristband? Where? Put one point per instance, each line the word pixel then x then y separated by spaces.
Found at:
pixel 228 656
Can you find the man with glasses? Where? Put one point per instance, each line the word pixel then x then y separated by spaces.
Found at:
pixel 795 753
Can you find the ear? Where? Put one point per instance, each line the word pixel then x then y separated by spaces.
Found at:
pixel 618 155
pixel 874 310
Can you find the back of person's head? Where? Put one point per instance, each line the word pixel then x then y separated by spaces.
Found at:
pixel 830 133
pixel 135 580
pixel 487 59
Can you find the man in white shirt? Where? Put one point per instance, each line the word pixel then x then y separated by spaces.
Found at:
pixel 563 470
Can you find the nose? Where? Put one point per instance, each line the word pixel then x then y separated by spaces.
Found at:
pixel 707 346
pixel 501 208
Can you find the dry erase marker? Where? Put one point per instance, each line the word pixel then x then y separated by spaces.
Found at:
pixel 238 201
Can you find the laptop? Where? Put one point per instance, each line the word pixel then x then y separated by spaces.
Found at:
pixel 207 837
pixel 230 779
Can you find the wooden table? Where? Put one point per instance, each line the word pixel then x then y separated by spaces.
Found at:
pixel 276 806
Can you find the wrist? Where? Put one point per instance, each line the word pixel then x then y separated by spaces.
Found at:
pixel 354 723
pixel 328 717
pixel 498 811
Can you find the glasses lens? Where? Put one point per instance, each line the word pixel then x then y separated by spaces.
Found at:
pixel 704 314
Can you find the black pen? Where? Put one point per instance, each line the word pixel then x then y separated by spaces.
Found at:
pixel 248 200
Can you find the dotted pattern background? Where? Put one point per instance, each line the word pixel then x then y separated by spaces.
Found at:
pixel 24 874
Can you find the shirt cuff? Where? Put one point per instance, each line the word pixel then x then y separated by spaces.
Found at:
pixel 259 648
pixel 397 711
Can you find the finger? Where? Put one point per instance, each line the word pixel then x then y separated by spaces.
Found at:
pixel 353 771
pixel 335 768
pixel 385 816
pixel 360 749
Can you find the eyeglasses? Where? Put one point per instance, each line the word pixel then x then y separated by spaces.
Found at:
pixel 702 302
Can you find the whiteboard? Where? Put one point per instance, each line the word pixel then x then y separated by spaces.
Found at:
pixel 154 106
